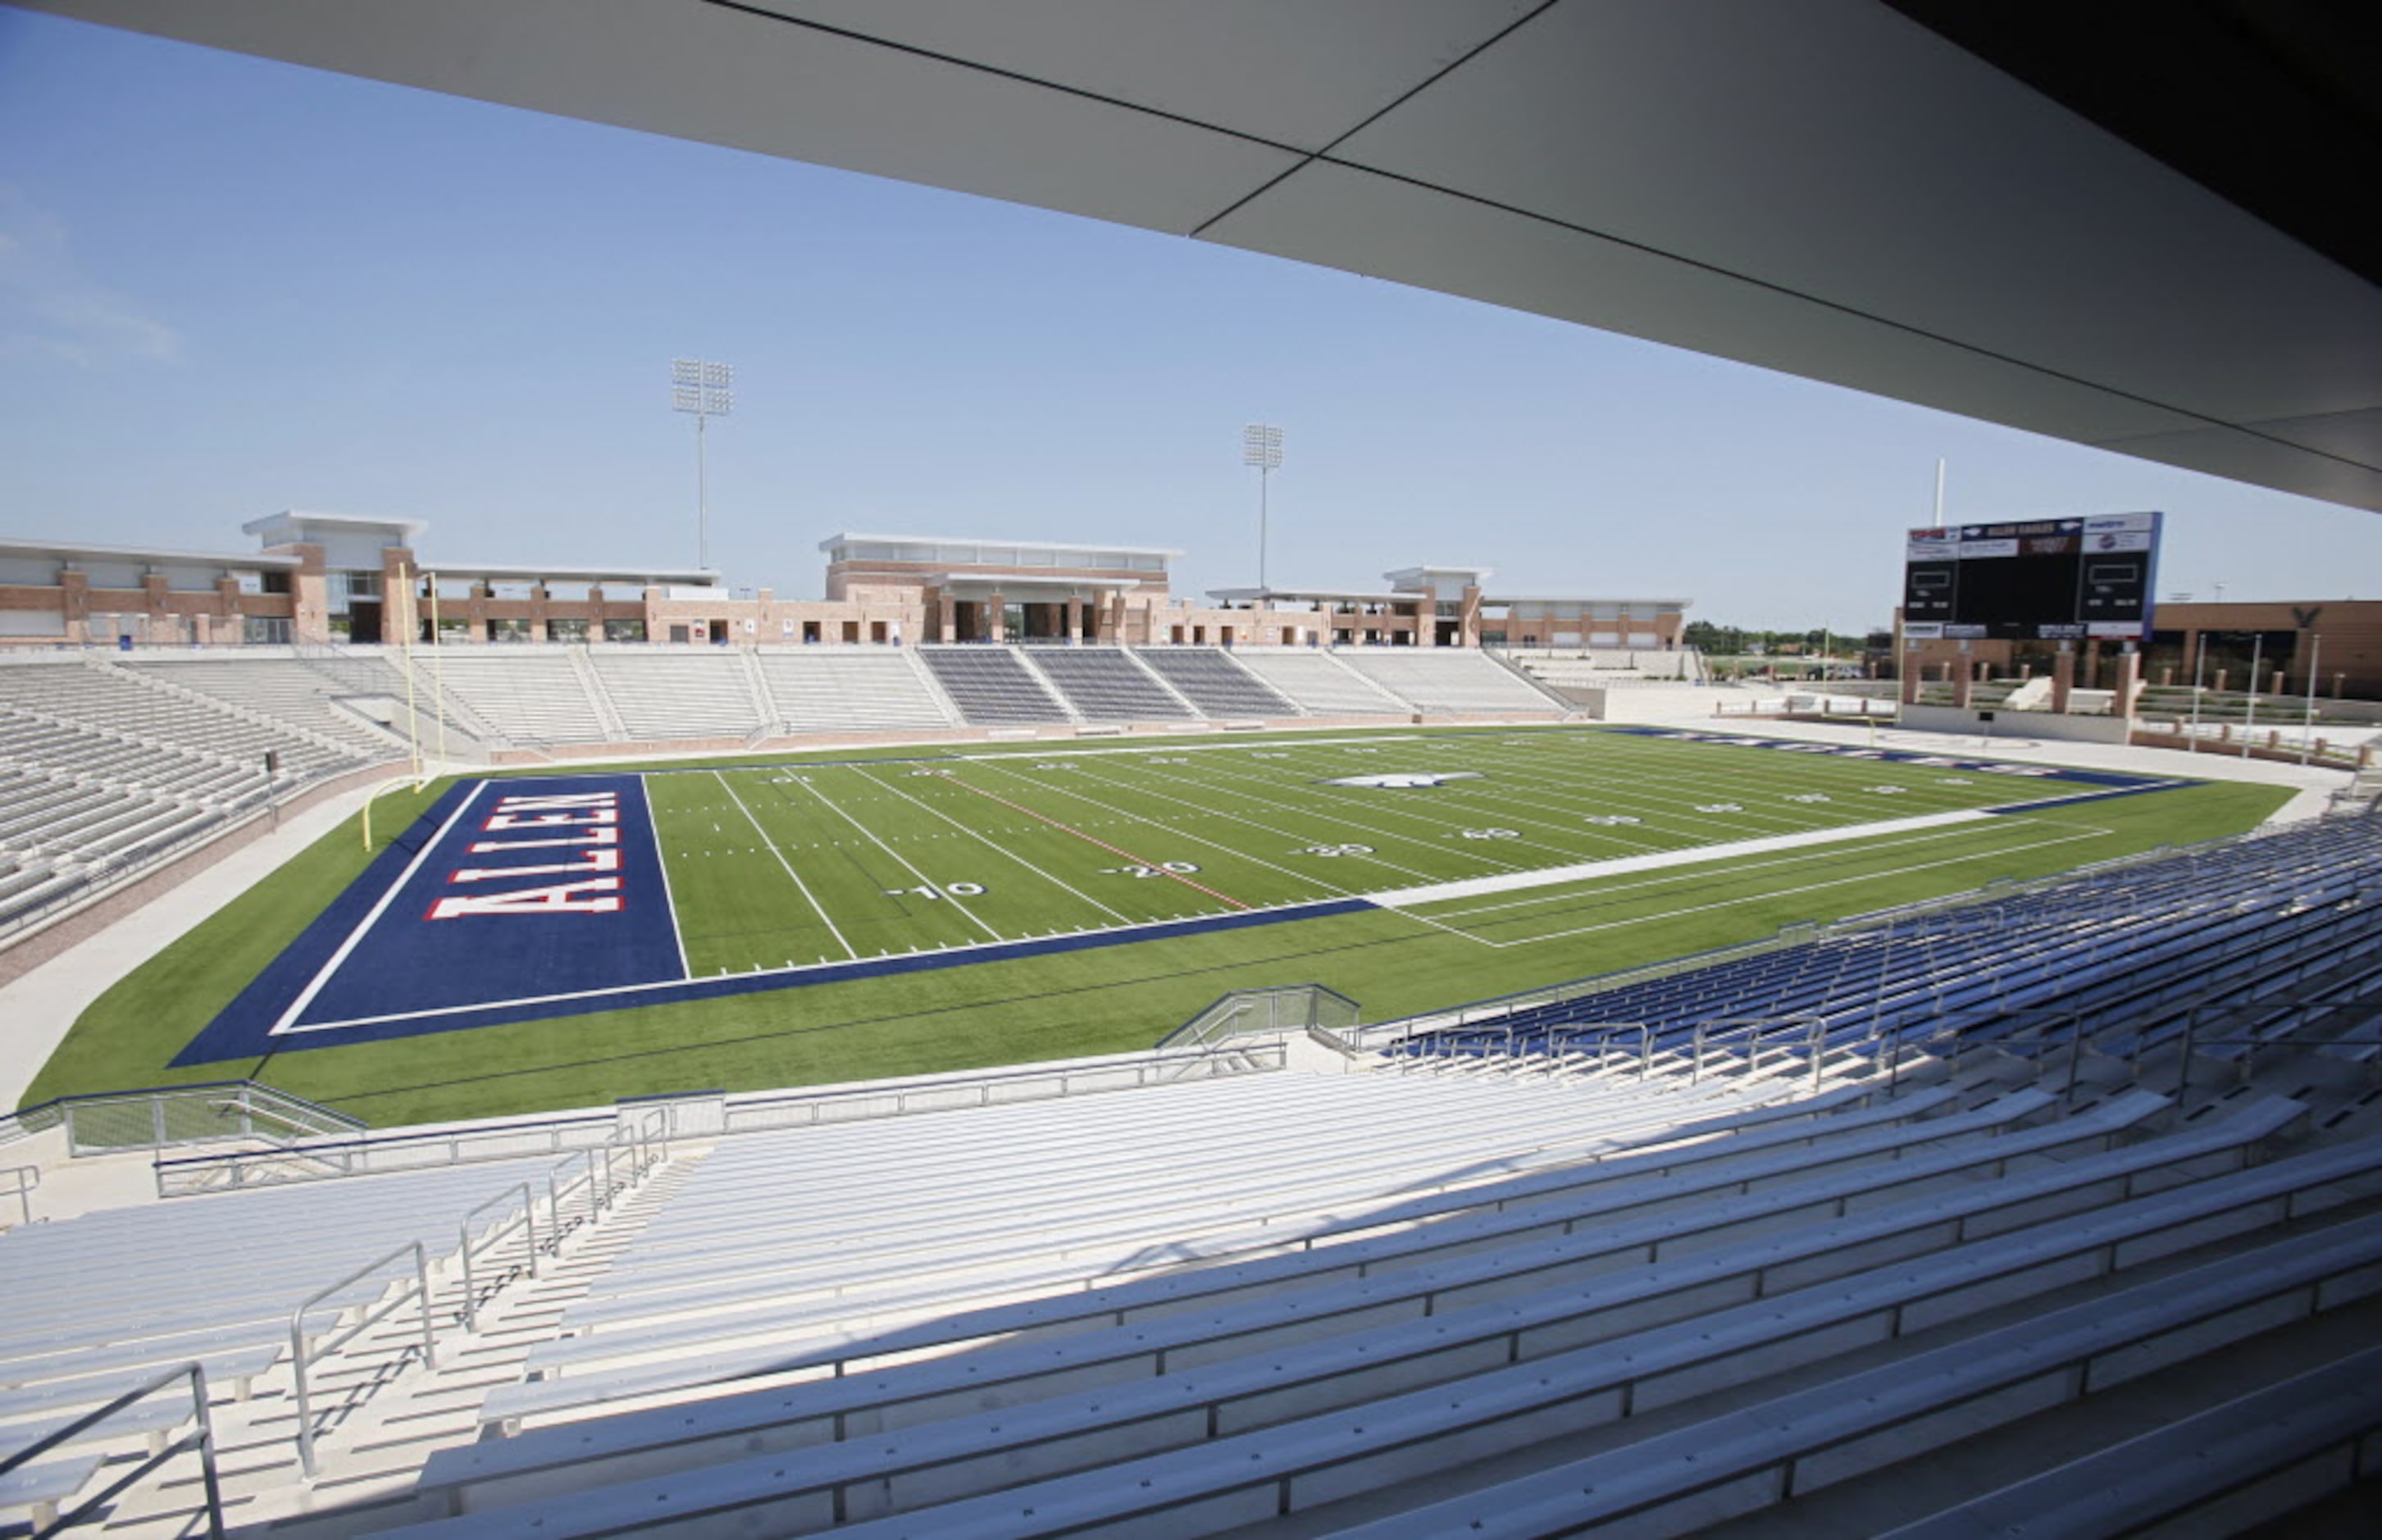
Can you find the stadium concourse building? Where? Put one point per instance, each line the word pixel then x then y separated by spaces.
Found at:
pixel 328 578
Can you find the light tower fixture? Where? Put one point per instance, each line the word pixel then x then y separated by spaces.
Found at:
pixel 1261 448
pixel 706 388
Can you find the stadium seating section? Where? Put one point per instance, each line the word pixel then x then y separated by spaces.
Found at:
pixel 1107 684
pixel 991 688
pixel 108 762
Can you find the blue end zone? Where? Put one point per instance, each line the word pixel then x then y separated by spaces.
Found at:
pixel 416 945
pixel 504 890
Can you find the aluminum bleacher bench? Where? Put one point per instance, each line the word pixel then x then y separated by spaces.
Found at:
pixel 38 1490
pixel 2183 1466
pixel 507 1404
pixel 1763 1263
pixel 1230 1399
pixel 1782 1435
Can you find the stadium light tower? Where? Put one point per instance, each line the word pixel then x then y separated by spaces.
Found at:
pixel 703 387
pixel 1262 447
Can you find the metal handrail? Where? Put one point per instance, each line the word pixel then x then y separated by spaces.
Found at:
pixel 1603 1033
pixel 302 1352
pixel 1813 1030
pixel 503 1230
pixel 203 1439
pixel 22 1180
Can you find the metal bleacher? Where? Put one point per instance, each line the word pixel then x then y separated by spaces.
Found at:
pixel 534 696
pixel 2269 934
pixel 1214 683
pixel 105 768
pixel 991 688
pixel 664 693
pixel 1452 679
pixel 1108 685
pixel 1319 683
pixel 841 689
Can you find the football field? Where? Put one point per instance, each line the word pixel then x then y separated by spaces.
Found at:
pixel 576 934
pixel 1504 839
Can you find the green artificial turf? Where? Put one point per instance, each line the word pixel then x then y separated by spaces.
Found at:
pixel 885 853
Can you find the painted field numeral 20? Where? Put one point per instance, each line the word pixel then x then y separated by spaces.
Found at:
pixel 1162 869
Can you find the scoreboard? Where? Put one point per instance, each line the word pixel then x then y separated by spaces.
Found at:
pixel 2040 580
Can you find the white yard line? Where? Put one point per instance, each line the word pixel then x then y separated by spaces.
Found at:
pixel 922 877
pixel 355 936
pixel 1473 887
pixel 1779 893
pixel 999 849
pixel 1158 828
pixel 1323 813
pixel 818 909
pixel 1923 837
pixel 661 858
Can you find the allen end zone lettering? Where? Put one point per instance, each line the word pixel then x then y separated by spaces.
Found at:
pixel 587 826
pixel 506 892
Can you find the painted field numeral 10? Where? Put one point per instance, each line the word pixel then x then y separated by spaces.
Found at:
pixel 927 890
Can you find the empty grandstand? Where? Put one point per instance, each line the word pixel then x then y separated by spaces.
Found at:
pixel 530 695
pixel 851 690
pixel 665 693
pixel 1107 684
pixel 990 688
pixel 1214 683
pixel 1318 683
pixel 1466 683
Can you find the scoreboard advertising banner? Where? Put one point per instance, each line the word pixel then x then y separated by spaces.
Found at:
pixel 2042 580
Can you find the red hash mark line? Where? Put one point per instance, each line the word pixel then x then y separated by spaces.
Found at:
pixel 1093 839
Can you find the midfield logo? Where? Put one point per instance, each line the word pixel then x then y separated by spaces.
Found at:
pixel 1406 780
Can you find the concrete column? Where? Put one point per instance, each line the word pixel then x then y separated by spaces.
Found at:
pixel 996 617
pixel 1964 682
pixel 2128 685
pixel 947 617
pixel 1075 618
pixel 2063 679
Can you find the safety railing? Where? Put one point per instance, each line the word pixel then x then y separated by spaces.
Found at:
pixel 18 1182
pixel 201 1440
pixel 305 1351
pixel 522 1220
pixel 805 1109
pixel 314 1160
pixel 159 1117
pixel 1594 1043
pixel 1282 1008
pixel 1716 1044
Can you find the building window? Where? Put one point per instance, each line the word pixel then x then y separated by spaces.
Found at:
pixel 624 630
pixel 509 630
pixel 566 631
pixel 265 630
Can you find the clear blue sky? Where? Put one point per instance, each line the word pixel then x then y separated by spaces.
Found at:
pixel 230 287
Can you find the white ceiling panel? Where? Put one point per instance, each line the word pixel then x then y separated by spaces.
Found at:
pixel 1339 216
pixel 1300 74
pixel 726 76
pixel 2240 456
pixel 1837 150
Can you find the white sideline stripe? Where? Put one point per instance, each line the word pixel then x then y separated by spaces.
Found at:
pixel 323 975
pixel 1546 877
pixel 661 859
